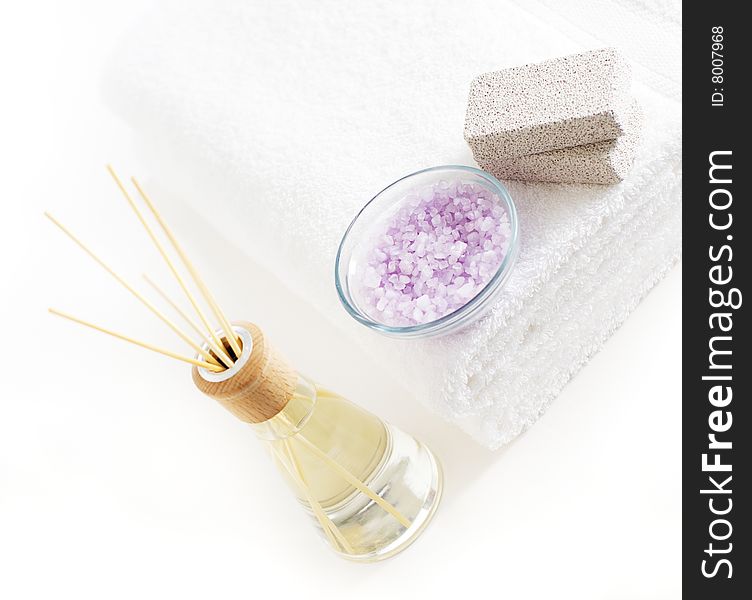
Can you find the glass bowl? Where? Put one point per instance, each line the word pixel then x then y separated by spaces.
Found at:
pixel 375 216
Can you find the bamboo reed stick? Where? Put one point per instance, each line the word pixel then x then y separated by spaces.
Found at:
pixel 217 343
pixel 175 306
pixel 183 336
pixel 322 521
pixel 229 333
pixel 332 531
pixel 148 346
pixel 354 481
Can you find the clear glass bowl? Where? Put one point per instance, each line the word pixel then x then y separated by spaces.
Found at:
pixel 374 217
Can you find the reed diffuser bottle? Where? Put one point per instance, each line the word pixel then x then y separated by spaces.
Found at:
pixel 370 487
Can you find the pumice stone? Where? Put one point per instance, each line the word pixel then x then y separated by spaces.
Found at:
pixel 559 103
pixel 605 162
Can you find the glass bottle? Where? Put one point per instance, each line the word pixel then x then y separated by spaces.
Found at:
pixel 370 488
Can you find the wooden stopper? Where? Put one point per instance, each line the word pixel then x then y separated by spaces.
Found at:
pixel 257 387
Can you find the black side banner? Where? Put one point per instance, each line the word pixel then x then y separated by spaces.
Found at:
pixel 717 427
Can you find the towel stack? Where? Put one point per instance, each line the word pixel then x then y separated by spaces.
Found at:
pixel 566 120
pixel 277 121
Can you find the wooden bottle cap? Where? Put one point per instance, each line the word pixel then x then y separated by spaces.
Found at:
pixel 257 386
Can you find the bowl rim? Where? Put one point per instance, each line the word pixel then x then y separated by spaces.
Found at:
pixel 471 305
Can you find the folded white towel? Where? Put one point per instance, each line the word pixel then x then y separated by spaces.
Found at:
pixel 295 114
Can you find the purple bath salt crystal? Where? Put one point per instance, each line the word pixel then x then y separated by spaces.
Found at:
pixel 435 254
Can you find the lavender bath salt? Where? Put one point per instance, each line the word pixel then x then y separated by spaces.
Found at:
pixel 435 254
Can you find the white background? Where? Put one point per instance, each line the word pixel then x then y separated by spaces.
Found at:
pixel 118 480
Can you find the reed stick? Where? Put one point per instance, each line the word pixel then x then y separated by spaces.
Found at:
pixel 322 521
pixel 330 529
pixel 208 296
pixel 175 306
pixel 148 346
pixel 354 481
pixel 183 336
pixel 217 343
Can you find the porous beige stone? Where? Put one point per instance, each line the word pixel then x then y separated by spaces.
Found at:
pixel 559 103
pixel 602 162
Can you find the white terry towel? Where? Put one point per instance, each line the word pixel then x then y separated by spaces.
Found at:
pixel 295 114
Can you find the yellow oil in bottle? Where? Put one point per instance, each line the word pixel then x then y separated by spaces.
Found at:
pixel 389 462
pixel 369 487
pixel 354 438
